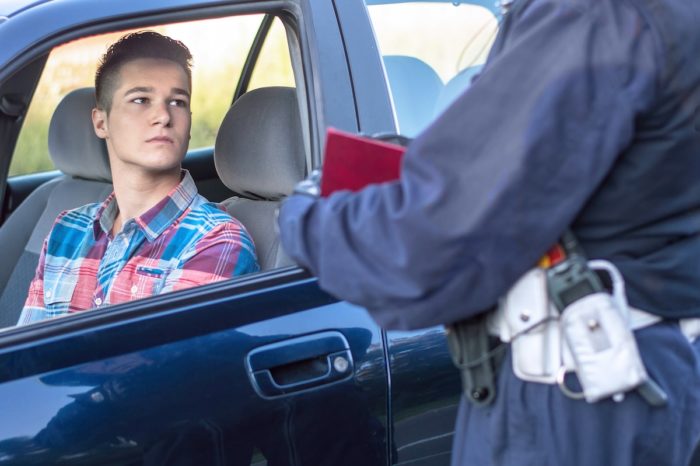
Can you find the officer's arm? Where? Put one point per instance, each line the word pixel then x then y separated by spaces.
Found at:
pixel 497 178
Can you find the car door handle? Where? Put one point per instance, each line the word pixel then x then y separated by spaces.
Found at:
pixel 300 363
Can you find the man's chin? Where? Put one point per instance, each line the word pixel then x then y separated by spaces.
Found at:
pixel 163 165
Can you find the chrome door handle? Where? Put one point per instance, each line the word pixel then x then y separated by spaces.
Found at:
pixel 300 363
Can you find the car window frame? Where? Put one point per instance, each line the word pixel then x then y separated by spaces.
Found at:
pixel 12 336
pixel 154 306
pixel 252 57
pixel 40 49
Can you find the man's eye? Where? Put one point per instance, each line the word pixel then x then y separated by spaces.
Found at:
pixel 140 100
pixel 178 103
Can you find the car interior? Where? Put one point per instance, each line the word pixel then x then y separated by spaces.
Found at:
pixel 261 149
pixel 418 93
pixel 258 156
pixel 82 160
pixel 259 153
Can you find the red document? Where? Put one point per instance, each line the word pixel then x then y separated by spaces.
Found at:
pixel 352 162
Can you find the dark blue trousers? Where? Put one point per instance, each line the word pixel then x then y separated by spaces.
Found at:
pixel 532 424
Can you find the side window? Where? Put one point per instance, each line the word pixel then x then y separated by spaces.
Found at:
pixel 273 67
pixel 219 47
pixel 431 55
pixel 215 72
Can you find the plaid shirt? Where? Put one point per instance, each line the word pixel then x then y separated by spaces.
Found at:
pixel 182 241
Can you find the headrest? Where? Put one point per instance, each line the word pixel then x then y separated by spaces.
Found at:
pixel 415 87
pixel 73 145
pixel 456 87
pixel 259 151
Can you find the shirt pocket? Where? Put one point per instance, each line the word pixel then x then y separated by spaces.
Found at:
pixel 147 281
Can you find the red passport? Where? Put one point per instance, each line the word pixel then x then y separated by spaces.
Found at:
pixel 352 162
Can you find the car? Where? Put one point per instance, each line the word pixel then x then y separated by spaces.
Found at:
pixel 266 368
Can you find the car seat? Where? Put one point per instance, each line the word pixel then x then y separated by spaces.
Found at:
pixel 456 86
pixel 259 155
pixel 82 158
pixel 415 88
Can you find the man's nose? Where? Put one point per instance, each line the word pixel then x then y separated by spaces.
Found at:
pixel 161 114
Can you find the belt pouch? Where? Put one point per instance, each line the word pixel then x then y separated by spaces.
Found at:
pixel 532 329
pixel 603 347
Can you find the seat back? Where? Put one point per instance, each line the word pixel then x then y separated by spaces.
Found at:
pixel 82 158
pixel 456 86
pixel 259 155
pixel 415 88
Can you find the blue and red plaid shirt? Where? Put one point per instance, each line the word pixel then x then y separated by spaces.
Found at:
pixel 182 241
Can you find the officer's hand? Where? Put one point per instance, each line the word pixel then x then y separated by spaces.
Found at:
pixel 311 186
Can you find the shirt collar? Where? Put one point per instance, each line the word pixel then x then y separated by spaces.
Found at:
pixel 158 218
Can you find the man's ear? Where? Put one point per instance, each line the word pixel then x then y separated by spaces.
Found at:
pixel 99 123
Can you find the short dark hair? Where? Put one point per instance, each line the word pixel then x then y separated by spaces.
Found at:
pixel 142 44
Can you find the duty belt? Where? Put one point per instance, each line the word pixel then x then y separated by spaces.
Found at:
pixel 529 317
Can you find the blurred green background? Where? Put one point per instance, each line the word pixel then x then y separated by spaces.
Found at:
pixel 215 72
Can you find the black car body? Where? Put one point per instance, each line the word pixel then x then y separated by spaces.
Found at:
pixel 262 369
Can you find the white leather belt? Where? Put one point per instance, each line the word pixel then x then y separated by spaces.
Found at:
pixel 640 319
pixel 526 319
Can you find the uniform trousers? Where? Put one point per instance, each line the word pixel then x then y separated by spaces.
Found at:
pixel 534 424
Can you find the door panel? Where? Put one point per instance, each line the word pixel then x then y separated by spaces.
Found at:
pixel 191 401
pixel 425 391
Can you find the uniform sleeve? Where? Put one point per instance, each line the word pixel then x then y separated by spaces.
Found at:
pixel 494 181
pixel 226 251
pixel 34 307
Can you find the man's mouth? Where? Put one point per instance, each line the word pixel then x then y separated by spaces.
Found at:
pixel 162 139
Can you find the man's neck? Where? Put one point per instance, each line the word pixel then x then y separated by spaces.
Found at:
pixel 138 192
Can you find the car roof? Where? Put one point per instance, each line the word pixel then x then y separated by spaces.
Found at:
pixel 26 22
pixel 486 3
pixel 11 7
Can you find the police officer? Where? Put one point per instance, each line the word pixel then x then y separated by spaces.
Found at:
pixel 584 117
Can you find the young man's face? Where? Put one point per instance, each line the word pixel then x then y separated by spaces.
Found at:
pixel 148 127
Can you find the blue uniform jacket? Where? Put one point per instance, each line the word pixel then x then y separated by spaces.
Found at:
pixel 586 114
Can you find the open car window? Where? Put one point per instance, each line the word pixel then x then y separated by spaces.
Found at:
pixel 273 67
pixel 220 48
pixel 431 55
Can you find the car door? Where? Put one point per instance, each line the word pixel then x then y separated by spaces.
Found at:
pixel 218 375
pixel 263 369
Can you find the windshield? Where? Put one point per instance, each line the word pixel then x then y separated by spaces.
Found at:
pixel 431 51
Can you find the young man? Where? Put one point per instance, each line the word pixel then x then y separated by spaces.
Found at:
pixel 154 233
